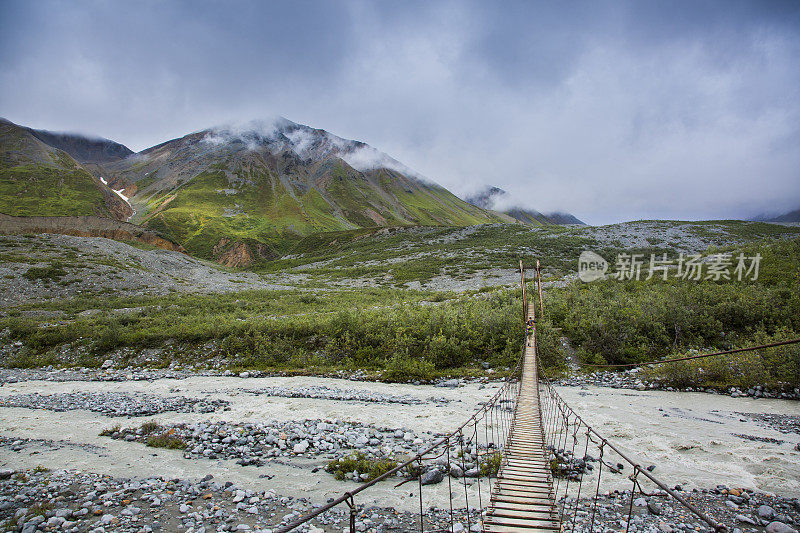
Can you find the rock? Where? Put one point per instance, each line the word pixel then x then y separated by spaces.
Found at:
pixel 301 446
pixel 766 512
pixel 108 363
pixel 456 471
pixel 106 519
pixel 745 519
pixel 6 473
pixel 432 476
pixel 457 527
pixel 654 507
pixel 244 374
pixel 451 383
pixel 779 527
pixel 640 502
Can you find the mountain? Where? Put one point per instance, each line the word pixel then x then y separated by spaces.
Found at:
pixel 495 197
pixel 791 216
pixel 564 219
pixel 234 193
pixel 37 178
pixel 85 150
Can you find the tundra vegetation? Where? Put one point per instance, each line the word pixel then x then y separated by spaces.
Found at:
pixel 394 333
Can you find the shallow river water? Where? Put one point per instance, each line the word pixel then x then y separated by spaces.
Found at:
pixel 690 437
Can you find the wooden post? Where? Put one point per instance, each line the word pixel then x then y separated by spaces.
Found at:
pixel 524 294
pixel 539 283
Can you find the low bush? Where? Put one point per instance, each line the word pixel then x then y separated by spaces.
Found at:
pixel 344 467
pixel 166 440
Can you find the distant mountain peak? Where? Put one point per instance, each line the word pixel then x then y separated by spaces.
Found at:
pixel 280 133
pixel 495 198
pixel 83 148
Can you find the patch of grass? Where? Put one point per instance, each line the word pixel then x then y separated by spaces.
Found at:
pixel 343 468
pixel 52 272
pixel 110 431
pixel 490 464
pixel 42 190
pixel 149 427
pixel 166 440
pixel 40 508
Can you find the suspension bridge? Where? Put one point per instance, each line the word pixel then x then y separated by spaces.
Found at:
pixel 526 462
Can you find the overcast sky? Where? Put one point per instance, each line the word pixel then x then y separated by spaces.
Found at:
pixel 612 111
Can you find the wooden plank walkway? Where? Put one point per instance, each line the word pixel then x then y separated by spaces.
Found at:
pixel 523 500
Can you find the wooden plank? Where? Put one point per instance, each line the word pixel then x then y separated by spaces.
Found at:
pixel 517 506
pixel 522 499
pixel 521 522
pixel 489 528
pixel 522 515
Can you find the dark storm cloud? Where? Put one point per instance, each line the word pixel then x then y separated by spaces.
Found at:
pixel 611 110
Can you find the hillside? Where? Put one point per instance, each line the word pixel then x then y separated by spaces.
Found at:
pixel 237 194
pixel 495 198
pixel 84 149
pixel 791 216
pixel 37 179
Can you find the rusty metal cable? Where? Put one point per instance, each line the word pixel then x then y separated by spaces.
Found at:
pixel 700 356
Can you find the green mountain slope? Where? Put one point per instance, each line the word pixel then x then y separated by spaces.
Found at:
pixel 235 194
pixel 38 179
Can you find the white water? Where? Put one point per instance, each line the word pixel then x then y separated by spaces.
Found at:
pixel 693 446
pixel 691 438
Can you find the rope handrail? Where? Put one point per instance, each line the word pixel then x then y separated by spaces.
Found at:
pixel 700 356
pixel 568 412
pixel 347 497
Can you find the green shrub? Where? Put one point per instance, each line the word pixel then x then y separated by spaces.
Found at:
pixel 343 467
pixel 490 464
pixel 167 440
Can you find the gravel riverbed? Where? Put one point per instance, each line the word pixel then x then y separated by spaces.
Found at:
pixel 693 439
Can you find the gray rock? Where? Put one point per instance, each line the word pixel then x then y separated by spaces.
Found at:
pixel 745 519
pixel 654 507
pixel 432 476
pixel 779 527
pixel 766 512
